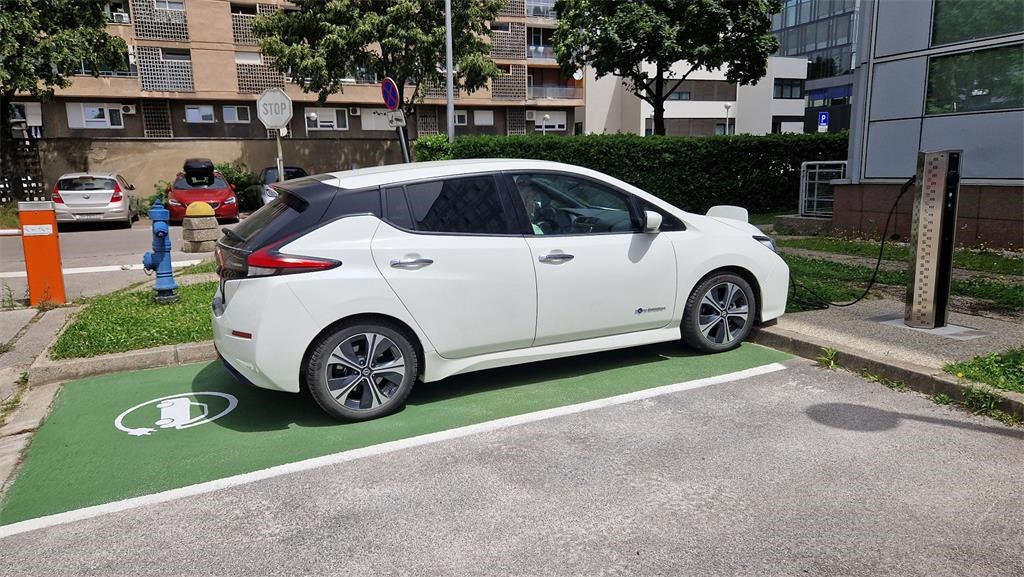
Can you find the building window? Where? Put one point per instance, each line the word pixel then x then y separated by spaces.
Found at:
pixel 990 79
pixel 959 20
pixel 236 114
pixel 178 5
pixel 174 54
pixel 483 118
pixel 681 95
pixel 326 119
pixel 248 58
pixel 94 115
pixel 789 88
pixel 199 113
pixel 720 127
pixel 461 118
pixel 553 120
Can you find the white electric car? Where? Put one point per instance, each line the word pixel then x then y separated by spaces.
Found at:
pixel 357 284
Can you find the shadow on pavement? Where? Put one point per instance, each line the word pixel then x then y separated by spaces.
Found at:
pixel 869 419
pixel 267 410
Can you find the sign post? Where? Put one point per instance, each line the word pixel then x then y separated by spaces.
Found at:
pixel 823 121
pixel 274 109
pixel 396 118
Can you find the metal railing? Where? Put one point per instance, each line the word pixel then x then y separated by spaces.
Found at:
pixel 542 92
pixel 541 8
pixel 816 190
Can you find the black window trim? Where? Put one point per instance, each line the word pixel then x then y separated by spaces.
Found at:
pixel 507 206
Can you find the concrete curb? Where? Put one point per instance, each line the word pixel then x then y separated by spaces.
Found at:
pixel 45 370
pixel 919 378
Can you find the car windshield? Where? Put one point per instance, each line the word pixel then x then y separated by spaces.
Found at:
pixel 270 175
pixel 200 182
pixel 85 183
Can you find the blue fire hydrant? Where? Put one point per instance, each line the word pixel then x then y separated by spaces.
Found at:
pixel 160 259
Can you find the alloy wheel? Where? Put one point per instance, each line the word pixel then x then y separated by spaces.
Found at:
pixel 723 313
pixel 365 371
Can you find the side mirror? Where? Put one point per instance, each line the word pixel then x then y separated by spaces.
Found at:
pixel 652 221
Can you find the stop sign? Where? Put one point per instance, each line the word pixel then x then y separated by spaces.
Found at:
pixel 274 108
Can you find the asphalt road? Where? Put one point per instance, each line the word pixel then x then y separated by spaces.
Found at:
pixel 91 246
pixel 799 472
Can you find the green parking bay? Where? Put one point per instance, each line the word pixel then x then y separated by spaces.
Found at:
pixel 80 458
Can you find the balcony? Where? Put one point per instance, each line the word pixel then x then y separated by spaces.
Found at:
pixel 241 28
pixel 541 9
pixel 540 52
pixel 509 44
pixel 554 92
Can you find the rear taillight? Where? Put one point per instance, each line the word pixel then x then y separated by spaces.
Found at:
pixel 267 261
pixel 56 196
pixel 117 193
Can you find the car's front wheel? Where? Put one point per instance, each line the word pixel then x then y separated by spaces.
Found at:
pixel 363 371
pixel 719 314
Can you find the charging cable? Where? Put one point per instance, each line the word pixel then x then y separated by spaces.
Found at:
pixel 820 302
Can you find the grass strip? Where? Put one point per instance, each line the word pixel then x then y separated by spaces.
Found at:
pixel 1001 370
pixel 963 258
pixel 130 320
pixel 837 282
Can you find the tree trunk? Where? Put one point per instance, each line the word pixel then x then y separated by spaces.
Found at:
pixel 659 102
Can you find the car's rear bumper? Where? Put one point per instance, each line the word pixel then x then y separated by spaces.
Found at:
pixel 255 346
pixel 111 212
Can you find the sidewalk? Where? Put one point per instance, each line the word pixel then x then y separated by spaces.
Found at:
pixel 871 336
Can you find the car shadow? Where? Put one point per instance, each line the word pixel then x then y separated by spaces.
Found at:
pixel 865 419
pixel 265 410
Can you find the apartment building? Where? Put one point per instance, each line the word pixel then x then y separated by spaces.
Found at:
pixel 704 104
pixel 193 71
pixel 941 75
pixel 824 33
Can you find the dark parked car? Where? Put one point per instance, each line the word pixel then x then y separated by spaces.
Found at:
pixel 269 176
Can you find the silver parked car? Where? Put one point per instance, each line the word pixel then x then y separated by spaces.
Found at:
pixel 91 197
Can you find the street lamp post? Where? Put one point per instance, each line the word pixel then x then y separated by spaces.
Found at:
pixel 544 125
pixel 449 81
pixel 727 107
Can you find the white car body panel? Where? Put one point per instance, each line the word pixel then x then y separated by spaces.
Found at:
pixel 599 291
pixel 486 301
pixel 483 282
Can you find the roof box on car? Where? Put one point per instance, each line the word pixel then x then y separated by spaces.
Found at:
pixel 199 167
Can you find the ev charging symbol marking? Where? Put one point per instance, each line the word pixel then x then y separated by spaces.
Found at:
pixel 176 412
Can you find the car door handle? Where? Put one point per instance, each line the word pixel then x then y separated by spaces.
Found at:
pixel 411 262
pixel 556 257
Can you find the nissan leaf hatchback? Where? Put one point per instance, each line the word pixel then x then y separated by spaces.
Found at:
pixel 358 284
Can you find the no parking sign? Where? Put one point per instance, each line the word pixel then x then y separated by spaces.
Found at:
pixel 389 90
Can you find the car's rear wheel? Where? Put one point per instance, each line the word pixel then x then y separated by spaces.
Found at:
pixel 719 314
pixel 363 371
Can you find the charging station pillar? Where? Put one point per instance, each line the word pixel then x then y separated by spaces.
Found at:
pixel 932 236
pixel 41 246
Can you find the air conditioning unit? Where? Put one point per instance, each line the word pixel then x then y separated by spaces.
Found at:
pixel 121 18
pixel 127 109
pixel 354 110
pixel 530 115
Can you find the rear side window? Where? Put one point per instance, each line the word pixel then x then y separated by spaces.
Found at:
pixel 299 207
pixel 85 183
pixel 398 208
pixel 471 205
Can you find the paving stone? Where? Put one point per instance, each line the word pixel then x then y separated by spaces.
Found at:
pixel 12 321
pixel 36 338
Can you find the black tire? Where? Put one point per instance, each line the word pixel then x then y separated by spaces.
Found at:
pixel 708 314
pixel 340 383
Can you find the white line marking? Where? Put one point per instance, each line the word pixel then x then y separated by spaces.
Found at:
pixel 373 450
pixel 105 268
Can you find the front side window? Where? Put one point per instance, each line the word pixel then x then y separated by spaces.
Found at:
pixel 559 204
pixel 991 79
pixel 201 113
pixel 470 205
pixel 959 20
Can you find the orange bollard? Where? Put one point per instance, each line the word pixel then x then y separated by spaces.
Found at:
pixel 42 252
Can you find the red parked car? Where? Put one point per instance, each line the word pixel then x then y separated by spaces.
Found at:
pixel 199 182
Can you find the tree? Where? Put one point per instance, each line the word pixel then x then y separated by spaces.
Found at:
pixel 323 42
pixel 42 44
pixel 618 38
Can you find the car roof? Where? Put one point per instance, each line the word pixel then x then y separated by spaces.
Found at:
pixel 92 174
pixel 395 173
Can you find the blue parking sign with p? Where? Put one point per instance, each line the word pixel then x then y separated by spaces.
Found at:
pixel 823 119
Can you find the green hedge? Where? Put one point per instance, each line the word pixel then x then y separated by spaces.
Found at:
pixel 761 173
